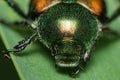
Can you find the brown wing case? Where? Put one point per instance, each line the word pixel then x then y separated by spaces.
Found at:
pixel 41 5
pixel 95 5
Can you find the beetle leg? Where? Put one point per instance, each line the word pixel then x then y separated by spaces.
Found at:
pixel 107 29
pixel 32 14
pixel 30 6
pixel 21 46
pixel 32 24
pixel 114 15
pixel 15 6
pixel 22 23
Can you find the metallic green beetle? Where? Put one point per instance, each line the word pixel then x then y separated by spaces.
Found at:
pixel 69 28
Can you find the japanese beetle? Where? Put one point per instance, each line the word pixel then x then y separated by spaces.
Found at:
pixel 69 28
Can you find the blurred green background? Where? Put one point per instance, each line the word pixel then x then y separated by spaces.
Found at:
pixel 35 63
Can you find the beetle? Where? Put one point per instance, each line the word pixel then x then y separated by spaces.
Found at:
pixel 68 28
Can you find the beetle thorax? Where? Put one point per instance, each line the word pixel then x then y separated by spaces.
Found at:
pixel 66 30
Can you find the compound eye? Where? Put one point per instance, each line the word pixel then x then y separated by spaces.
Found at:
pixel 41 5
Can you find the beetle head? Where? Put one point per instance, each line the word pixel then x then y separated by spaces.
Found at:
pixel 67 53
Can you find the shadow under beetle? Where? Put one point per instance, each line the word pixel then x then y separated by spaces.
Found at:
pixel 69 28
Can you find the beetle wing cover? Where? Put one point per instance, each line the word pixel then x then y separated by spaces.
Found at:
pixel 41 5
pixel 94 5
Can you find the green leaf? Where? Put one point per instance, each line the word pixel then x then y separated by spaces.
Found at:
pixel 36 62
